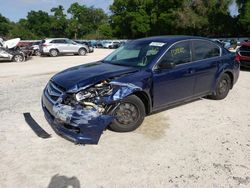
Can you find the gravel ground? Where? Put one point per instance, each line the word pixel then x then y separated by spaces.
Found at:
pixel 204 143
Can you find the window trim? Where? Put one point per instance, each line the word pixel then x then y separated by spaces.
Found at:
pixel 191 51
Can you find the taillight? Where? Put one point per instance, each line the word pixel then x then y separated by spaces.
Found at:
pixel 237 57
pixel 45 45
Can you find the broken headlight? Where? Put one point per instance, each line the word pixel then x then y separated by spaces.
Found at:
pixel 90 94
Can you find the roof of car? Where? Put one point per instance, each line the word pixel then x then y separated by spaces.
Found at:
pixel 55 38
pixel 168 38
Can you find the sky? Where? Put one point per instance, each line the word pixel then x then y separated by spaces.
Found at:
pixel 17 9
pixel 233 8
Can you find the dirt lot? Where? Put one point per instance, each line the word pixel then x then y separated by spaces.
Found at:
pixel 205 143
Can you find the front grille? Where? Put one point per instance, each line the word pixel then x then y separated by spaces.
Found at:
pixel 245 53
pixel 53 92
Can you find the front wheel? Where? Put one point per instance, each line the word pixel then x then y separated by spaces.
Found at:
pixel 82 52
pixel 129 115
pixel 222 88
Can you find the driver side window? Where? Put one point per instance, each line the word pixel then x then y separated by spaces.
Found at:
pixel 179 53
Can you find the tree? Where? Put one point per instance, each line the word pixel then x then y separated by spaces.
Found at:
pixel 244 17
pixel 19 30
pixel 59 22
pixel 139 18
pixel 39 23
pixel 5 26
pixel 85 20
pixel 129 18
pixel 104 31
pixel 207 18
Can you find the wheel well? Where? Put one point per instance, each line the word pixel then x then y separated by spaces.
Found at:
pixel 144 98
pixel 83 49
pixel 231 78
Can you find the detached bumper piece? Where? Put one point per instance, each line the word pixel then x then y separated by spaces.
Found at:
pixel 39 131
pixel 83 126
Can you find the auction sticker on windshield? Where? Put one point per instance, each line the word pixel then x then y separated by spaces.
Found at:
pixel 159 44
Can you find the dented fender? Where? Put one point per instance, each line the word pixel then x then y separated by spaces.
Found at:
pixel 120 91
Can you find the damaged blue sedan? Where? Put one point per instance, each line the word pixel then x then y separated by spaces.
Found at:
pixel 141 77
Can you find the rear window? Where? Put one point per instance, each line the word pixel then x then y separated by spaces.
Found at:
pixel 58 41
pixel 205 50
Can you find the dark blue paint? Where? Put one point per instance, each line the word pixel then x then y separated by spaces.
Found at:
pixel 161 87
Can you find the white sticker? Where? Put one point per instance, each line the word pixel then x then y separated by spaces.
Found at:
pixel 159 44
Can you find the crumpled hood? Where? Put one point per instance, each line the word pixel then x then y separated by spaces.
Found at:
pixel 88 74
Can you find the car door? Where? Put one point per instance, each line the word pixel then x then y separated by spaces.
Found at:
pixel 174 84
pixel 60 44
pixel 72 46
pixel 206 58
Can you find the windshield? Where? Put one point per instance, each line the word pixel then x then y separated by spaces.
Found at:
pixel 135 54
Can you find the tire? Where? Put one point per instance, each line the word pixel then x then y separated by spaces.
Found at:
pixel 82 51
pixel 37 53
pixel 53 53
pixel 18 58
pixel 129 115
pixel 222 88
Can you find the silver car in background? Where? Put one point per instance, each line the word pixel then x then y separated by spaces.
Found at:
pixel 56 46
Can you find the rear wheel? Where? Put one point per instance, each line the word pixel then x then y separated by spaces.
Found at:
pixel 129 115
pixel 53 53
pixel 222 88
pixel 18 58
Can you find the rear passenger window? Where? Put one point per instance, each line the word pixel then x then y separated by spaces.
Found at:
pixel 58 41
pixel 204 50
pixel 178 54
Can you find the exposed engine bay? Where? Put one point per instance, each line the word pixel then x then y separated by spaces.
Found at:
pixel 87 111
pixel 100 95
pixel 90 97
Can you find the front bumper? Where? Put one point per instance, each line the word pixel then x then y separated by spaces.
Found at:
pixel 74 125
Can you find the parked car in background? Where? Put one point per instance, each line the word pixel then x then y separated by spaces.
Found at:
pixel 59 46
pixel 111 44
pixel 26 48
pixel 36 48
pixel 11 55
pixel 86 43
pixel 141 77
pixel 99 44
pixel 10 52
pixel 243 54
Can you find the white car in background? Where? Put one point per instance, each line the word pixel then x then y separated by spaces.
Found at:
pixel 111 44
pixel 56 46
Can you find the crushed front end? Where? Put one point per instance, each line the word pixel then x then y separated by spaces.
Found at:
pixel 81 114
